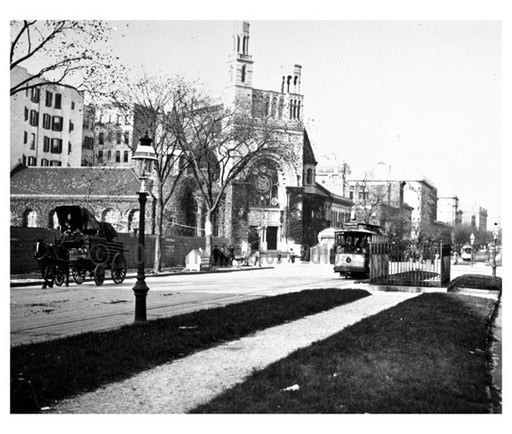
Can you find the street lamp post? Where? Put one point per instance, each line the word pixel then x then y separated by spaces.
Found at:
pixel 144 159
pixel 495 233
pixel 472 241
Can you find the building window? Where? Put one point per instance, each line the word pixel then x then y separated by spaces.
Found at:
pixel 101 138
pixel 32 161
pixel 243 73
pixel 309 176
pixel 72 105
pixel 118 156
pixel 56 146
pixel 48 99
pixel 57 122
pixel 34 118
pixel 46 144
pixel 26 113
pixel 125 157
pixel 118 137
pixel 126 137
pixel 25 137
pixel 55 163
pixel 47 121
pixel 34 95
pixel 44 162
pixel 109 136
pixel 109 155
pixel 58 100
pixel 33 141
pixel 24 159
pixel 71 126
pixel 69 147
pixel 264 179
pixel 100 156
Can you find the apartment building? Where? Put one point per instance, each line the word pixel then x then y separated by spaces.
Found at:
pixel 113 137
pixel 46 124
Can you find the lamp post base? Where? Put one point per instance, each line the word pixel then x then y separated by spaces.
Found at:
pixel 140 291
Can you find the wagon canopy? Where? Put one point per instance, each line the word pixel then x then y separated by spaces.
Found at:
pixel 82 219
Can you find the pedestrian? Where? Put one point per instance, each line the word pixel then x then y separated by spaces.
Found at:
pixel 291 257
pixel 215 255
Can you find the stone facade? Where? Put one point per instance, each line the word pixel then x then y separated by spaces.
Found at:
pixel 110 193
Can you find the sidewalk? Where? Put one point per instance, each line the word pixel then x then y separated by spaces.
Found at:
pixel 180 386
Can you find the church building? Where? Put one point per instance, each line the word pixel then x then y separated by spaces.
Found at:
pixel 276 204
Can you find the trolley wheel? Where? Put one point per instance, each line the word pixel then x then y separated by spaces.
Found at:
pixel 78 275
pixel 118 268
pixel 99 275
pixel 60 275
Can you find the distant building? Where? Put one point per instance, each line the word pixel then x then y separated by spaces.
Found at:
pixel 114 138
pixel 476 217
pixel 382 202
pixel 331 173
pixel 88 135
pixel 415 198
pixel 46 124
pixel 448 211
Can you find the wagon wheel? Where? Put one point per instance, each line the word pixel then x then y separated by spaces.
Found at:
pixel 78 275
pixel 99 253
pixel 99 275
pixel 60 275
pixel 118 268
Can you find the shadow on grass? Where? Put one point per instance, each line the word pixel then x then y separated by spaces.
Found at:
pixel 425 355
pixel 47 371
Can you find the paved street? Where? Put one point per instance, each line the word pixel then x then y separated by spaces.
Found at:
pixel 38 314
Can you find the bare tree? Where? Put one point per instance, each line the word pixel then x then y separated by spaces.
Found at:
pixel 218 143
pixel 149 104
pixel 65 52
pixel 369 200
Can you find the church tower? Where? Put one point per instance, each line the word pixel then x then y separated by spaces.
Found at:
pixel 239 89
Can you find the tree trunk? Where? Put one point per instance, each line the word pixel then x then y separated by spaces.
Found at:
pixel 208 232
pixel 158 232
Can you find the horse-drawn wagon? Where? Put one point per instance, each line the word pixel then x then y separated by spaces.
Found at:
pixel 83 246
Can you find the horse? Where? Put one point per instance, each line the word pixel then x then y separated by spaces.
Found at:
pixel 53 267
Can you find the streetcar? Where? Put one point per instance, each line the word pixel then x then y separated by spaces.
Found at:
pixel 352 248
pixel 466 252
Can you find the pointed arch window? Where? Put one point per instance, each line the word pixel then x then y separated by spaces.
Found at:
pixel 309 176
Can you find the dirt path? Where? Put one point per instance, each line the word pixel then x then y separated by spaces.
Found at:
pixel 182 385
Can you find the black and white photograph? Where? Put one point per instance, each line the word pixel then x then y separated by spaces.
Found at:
pixel 232 213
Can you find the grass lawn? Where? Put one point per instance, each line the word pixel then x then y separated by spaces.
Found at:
pixel 425 355
pixel 478 281
pixel 61 368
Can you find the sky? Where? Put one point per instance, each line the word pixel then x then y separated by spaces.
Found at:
pixel 422 96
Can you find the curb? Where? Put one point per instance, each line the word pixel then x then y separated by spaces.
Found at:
pixel 30 282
